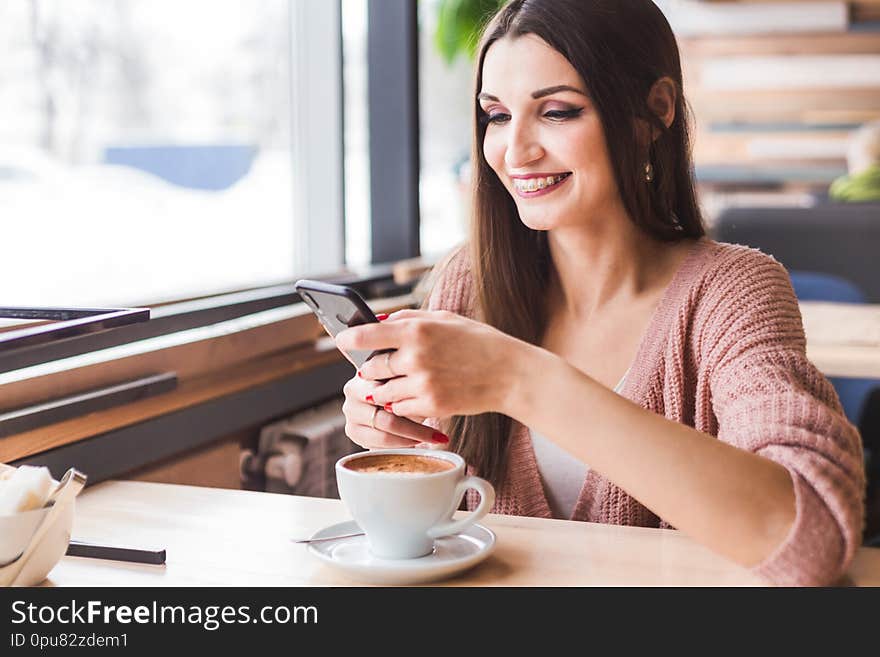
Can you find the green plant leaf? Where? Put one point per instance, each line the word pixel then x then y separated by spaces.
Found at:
pixel 459 23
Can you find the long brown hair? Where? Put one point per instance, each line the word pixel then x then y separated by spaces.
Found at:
pixel 619 48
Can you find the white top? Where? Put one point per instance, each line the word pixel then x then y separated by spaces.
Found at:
pixel 562 474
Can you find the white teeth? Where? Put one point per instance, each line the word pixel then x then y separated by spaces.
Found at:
pixel 534 184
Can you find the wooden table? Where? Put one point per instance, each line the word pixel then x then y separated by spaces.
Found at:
pixel 843 339
pixel 217 537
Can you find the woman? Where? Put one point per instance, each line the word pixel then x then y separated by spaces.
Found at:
pixel 592 353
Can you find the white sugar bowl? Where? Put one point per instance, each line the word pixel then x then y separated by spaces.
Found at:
pixel 19 530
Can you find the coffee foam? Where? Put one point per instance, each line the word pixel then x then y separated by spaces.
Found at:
pixel 403 464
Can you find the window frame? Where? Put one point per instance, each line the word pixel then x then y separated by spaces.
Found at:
pixel 393 70
pixel 58 324
pixel 317 134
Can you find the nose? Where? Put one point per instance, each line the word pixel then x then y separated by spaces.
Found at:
pixel 523 146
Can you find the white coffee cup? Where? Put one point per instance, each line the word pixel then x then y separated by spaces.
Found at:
pixel 402 512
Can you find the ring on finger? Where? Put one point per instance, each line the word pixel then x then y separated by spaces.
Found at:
pixel 376 410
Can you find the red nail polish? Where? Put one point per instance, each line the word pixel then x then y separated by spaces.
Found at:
pixel 382 316
pixel 388 408
pixel 360 375
pixel 370 400
pixel 438 437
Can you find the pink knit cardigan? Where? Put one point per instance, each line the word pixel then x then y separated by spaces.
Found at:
pixel 724 353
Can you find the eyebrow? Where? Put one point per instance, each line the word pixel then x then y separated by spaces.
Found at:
pixel 540 93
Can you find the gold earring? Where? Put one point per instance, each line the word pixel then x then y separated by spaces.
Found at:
pixel 649 171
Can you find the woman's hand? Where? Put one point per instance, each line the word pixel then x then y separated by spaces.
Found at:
pixel 371 427
pixel 444 365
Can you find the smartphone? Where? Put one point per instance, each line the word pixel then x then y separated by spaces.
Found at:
pixel 338 307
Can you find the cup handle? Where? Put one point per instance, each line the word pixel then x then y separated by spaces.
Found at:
pixel 487 499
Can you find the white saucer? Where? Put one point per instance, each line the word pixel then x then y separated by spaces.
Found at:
pixel 452 554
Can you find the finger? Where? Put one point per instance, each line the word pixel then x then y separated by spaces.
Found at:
pixel 385 367
pixel 411 407
pixel 374 439
pixel 392 390
pixel 357 388
pixel 408 313
pixel 382 367
pixel 377 335
pixel 401 427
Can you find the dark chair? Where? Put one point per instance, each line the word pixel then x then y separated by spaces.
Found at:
pixel 841 239
pixel 870 428
pixel 812 286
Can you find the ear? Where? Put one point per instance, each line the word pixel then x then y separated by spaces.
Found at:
pixel 661 101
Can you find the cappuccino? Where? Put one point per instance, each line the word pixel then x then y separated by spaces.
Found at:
pixel 399 464
pixel 403 499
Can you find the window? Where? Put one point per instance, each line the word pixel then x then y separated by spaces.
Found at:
pixel 445 104
pixel 357 141
pixel 221 361
pixel 153 150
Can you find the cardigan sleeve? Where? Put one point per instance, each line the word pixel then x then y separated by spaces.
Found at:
pixel 451 287
pixel 768 398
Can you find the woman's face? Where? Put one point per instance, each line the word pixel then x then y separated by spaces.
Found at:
pixel 544 139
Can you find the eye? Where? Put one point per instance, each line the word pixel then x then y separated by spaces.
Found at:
pixel 562 115
pixel 495 117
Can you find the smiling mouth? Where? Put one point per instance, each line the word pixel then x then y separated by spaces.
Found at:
pixel 530 186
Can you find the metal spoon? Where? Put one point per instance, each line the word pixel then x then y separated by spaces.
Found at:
pixel 79 480
pixel 327 538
